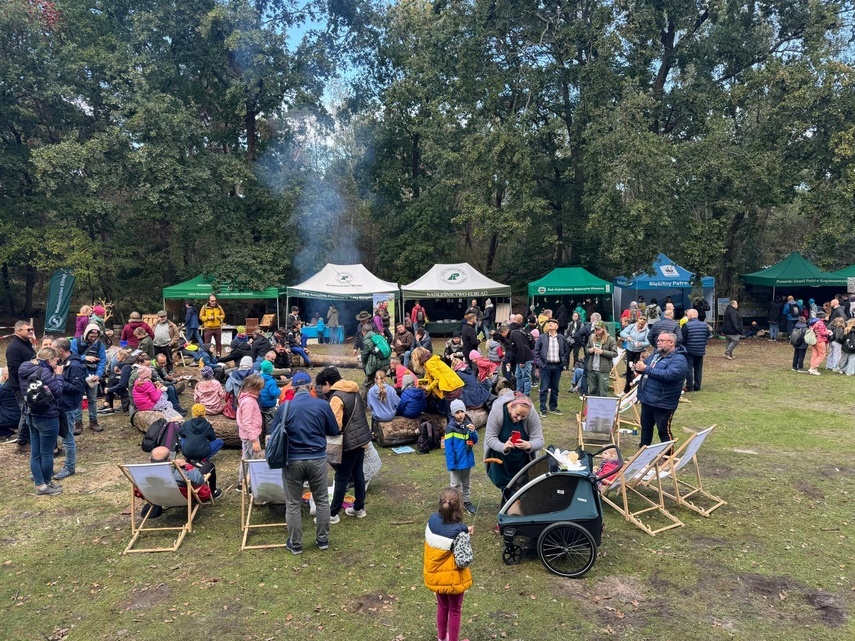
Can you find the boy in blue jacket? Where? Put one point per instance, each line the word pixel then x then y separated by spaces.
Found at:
pixel 460 436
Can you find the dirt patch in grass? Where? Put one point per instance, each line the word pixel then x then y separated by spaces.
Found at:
pixel 149 596
pixel 615 601
pixel 811 491
pixel 831 611
pixel 372 604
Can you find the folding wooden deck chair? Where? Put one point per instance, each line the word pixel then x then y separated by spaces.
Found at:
pixel 267 321
pixel 266 488
pixel 628 413
pixel 598 420
pixel 156 484
pixel 618 366
pixel 646 461
pixel 684 493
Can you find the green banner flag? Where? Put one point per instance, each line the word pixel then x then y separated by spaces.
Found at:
pixel 59 300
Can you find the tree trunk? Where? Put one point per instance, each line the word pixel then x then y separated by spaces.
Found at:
pixel 250 132
pixel 27 311
pixel 7 289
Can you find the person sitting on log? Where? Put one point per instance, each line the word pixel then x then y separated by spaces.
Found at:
pixel 475 395
pixel 453 348
pixel 413 400
pixel 382 399
pixel 198 440
pixel 210 393
pixel 148 396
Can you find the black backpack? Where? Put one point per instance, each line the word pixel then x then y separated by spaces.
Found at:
pixel 161 433
pixel 430 437
pixel 797 337
pixel 849 342
pixel 38 395
pixel 420 316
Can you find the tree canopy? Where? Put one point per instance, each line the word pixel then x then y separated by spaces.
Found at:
pixel 255 140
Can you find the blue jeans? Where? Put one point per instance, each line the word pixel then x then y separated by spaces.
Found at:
pixel 302 353
pixel 550 379
pixel 92 396
pixel 773 331
pixel 523 377
pixel 43 433
pixel 69 443
pixel 193 336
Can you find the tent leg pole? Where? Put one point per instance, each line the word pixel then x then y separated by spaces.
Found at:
pixel 278 322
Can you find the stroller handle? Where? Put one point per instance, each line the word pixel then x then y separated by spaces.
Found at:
pixel 596 479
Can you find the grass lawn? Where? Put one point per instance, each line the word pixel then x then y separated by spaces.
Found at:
pixel 772 564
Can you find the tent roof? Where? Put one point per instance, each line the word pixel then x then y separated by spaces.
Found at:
pixel 569 280
pixel 795 269
pixel 846 272
pixel 666 275
pixel 343 282
pixel 200 287
pixel 454 280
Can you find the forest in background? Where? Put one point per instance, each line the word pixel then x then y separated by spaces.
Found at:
pixel 143 142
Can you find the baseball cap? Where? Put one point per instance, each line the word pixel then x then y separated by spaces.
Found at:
pixel 301 378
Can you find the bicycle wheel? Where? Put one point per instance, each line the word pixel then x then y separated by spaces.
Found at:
pixel 566 549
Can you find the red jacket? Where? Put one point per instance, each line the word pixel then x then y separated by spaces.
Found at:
pixel 128 333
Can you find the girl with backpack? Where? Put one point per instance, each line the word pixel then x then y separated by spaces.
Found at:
pixel 818 350
pixel 847 357
pixel 797 340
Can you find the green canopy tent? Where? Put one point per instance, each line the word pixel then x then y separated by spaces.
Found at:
pixel 794 271
pixel 569 281
pixel 846 272
pixel 200 287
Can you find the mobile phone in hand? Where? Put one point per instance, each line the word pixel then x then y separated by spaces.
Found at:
pixel 515 437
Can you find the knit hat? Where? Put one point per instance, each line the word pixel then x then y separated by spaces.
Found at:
pixel 266 367
pixel 457 406
pixel 488 302
pixel 301 378
pixel 197 410
pixel 144 373
pixel 407 381
pixel 474 354
pixel 98 310
pixel 245 362
pixel 241 329
pixel 207 373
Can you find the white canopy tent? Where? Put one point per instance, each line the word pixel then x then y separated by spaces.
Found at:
pixel 457 280
pixel 342 282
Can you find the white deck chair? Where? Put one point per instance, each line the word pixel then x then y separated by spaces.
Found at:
pixel 685 493
pixel 157 486
pixel 628 413
pixel 646 461
pixel 266 488
pixel 615 374
pixel 598 420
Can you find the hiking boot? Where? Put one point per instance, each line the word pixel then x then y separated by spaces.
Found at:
pixel 360 514
pixel 78 428
pixel 93 425
pixel 62 474
pixel 47 490
pixel 295 548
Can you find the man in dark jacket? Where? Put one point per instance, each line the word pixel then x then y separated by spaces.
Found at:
pixel 20 350
pixel 550 352
pixel 664 324
pixel 523 355
pixel 308 422
pixel 260 344
pixel 732 328
pixel 774 317
pixel 74 375
pixel 662 376
pixel 695 334
pixel 469 335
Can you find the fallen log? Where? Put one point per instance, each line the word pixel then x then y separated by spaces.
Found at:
pixel 403 431
pixel 328 360
pixel 224 428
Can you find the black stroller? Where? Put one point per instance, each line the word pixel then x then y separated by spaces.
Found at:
pixel 559 508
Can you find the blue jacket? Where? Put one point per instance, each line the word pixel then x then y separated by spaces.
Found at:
pixel 695 334
pixel 191 319
pixel 542 346
pixel 413 402
pixel 661 326
pixel 83 349
pixel 633 336
pixel 310 420
pixel 74 375
pixel 459 455
pixel 269 395
pixel 662 382
pixel 54 383
pixel 474 393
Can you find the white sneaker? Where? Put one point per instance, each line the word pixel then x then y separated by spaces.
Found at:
pixel 360 514
pixel 333 519
pixel 813 372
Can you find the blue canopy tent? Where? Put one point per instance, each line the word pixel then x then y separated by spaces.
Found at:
pixel 664 278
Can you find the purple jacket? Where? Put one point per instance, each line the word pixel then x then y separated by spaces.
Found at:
pixel 80 325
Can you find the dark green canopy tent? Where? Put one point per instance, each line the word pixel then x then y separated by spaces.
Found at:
pixel 567 281
pixel 794 270
pixel 200 287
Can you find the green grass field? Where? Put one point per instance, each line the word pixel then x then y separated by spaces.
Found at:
pixel 772 564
